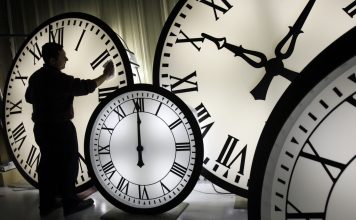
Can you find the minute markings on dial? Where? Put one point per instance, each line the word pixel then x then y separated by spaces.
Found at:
pixel 144 107
pixel 309 152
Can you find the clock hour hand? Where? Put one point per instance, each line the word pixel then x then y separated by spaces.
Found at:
pixel 274 67
pixel 139 146
pixel 245 54
pixel 293 33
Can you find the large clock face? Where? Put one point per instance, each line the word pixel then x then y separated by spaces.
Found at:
pixel 145 149
pixel 88 43
pixel 305 162
pixel 231 60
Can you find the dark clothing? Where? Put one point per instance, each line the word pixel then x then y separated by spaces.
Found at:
pixel 51 94
pixel 58 167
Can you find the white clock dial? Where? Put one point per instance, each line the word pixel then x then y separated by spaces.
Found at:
pixel 231 60
pixel 145 149
pixel 88 43
pixel 305 160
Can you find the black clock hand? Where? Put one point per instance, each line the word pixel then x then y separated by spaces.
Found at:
pixel 239 51
pixel 275 66
pixel 293 33
pixel 139 146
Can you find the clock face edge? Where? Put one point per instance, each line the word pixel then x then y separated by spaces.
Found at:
pixel 156 81
pixel 68 15
pixel 210 171
pixel 326 62
pixel 198 146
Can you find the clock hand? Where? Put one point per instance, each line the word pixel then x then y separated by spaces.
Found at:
pixel 274 67
pixel 239 51
pixel 139 146
pixel 293 33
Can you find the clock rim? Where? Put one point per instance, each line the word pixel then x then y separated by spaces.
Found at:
pixel 156 73
pixel 79 15
pixel 336 54
pixel 198 145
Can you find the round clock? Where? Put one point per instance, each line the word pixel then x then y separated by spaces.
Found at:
pixel 305 161
pixel 231 60
pixel 145 149
pixel 88 43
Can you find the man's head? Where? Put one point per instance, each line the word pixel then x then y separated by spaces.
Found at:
pixel 54 55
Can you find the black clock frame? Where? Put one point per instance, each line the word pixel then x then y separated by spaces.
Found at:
pixel 198 144
pixel 78 15
pixel 333 56
pixel 156 65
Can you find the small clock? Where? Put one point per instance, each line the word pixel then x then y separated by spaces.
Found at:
pixel 231 60
pixel 88 43
pixel 305 161
pixel 144 149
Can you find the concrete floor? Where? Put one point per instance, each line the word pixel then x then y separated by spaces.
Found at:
pixel 204 203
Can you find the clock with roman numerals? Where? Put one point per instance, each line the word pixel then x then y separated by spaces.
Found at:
pixel 231 60
pixel 88 43
pixel 305 161
pixel 145 149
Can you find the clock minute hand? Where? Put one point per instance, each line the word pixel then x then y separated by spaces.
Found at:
pixel 239 51
pixel 293 33
pixel 139 146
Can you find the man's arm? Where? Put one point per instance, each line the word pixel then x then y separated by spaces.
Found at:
pixel 107 73
pixel 80 87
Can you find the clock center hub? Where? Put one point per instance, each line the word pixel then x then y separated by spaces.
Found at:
pixel 124 145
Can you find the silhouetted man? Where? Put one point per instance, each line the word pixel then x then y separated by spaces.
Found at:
pixel 51 93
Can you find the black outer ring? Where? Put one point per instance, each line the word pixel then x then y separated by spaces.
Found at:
pixel 113 37
pixel 198 144
pixel 156 66
pixel 329 59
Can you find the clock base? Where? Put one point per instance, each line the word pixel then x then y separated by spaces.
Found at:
pixel 169 215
